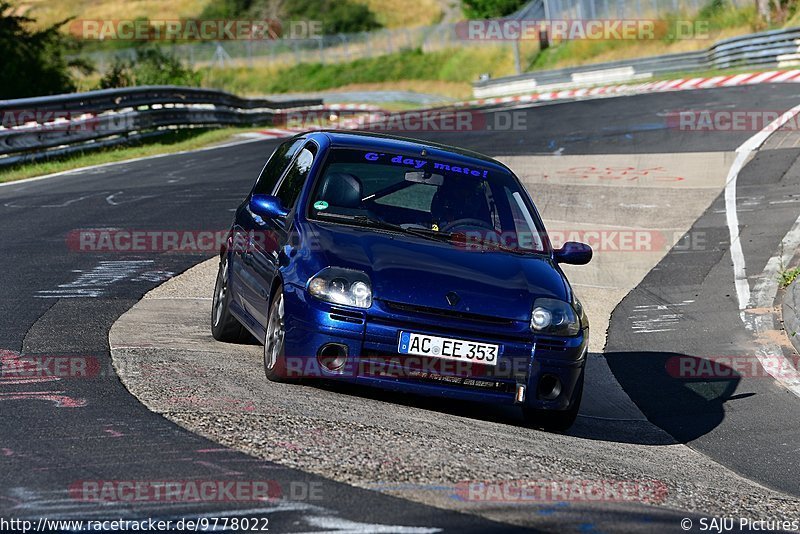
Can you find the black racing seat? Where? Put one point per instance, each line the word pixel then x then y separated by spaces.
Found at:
pixel 342 190
pixel 460 199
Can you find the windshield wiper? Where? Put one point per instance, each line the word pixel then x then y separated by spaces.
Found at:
pixel 374 222
pixel 504 248
pixel 418 232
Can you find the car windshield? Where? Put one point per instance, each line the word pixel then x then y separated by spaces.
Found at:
pixel 478 206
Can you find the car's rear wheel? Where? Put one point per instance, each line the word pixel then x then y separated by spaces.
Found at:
pixel 559 421
pixel 274 343
pixel 224 326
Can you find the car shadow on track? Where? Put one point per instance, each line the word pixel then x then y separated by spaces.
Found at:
pixel 683 395
pixel 638 432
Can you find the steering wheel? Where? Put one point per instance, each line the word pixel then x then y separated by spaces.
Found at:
pixel 466 222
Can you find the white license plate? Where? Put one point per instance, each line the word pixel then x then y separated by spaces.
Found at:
pixel 448 348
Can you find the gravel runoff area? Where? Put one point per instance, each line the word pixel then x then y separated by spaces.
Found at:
pixel 419 449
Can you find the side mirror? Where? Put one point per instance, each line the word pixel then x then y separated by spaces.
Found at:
pixel 267 207
pixel 574 253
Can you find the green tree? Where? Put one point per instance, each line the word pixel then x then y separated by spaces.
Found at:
pixel 337 16
pixel 487 9
pixel 223 9
pixel 33 61
pixel 152 66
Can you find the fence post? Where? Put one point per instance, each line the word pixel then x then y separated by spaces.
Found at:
pixel 343 37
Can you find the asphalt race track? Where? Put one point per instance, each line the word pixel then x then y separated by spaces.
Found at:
pixel 57 301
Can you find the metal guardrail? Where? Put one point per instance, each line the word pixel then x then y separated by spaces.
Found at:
pixel 779 48
pixel 42 127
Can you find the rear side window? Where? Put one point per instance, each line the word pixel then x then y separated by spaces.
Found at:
pixel 292 183
pixel 274 168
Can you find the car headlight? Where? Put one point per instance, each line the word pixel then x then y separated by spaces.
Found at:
pixel 341 286
pixel 555 317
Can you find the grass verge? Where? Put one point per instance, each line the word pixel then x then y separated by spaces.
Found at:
pixel 461 66
pixel 174 141
pixel 677 33
pixel 787 276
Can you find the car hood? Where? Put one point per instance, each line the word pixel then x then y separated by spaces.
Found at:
pixel 421 272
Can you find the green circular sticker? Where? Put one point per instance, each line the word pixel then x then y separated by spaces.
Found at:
pixel 320 205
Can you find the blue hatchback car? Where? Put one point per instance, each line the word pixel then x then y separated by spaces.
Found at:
pixel 408 266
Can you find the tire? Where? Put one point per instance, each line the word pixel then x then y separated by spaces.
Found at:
pixel 558 421
pixel 274 347
pixel 224 326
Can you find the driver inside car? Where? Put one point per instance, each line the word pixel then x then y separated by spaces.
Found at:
pixel 460 199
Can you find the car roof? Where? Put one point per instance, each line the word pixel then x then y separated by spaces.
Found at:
pixel 358 139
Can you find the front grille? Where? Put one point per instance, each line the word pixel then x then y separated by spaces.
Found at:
pixel 347 316
pixel 450 314
pixel 555 345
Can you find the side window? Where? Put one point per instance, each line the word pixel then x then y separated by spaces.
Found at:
pixel 527 236
pixel 293 182
pixel 274 168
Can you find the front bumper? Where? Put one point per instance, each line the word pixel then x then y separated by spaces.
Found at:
pixel 370 339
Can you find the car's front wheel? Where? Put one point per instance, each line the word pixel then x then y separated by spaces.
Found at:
pixel 559 421
pixel 274 346
pixel 224 326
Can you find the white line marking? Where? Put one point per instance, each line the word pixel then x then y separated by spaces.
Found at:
pixel 732 218
pixel 763 296
pixel 731 213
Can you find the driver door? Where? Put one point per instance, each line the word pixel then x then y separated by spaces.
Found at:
pixel 268 237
